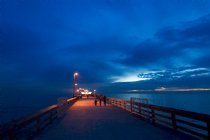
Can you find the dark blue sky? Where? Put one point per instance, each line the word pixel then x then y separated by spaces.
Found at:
pixel 148 43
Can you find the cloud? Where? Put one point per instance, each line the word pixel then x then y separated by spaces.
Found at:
pixel 173 74
pixel 198 82
pixel 148 52
pixel 172 44
pixel 44 46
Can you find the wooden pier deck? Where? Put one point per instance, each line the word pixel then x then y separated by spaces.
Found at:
pixel 84 121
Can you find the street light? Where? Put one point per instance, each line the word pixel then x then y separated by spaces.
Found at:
pixel 75 77
pixel 75 74
pixel 75 82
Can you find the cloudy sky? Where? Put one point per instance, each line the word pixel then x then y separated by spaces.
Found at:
pixel 115 45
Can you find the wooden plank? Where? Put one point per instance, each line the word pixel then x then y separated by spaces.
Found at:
pixel 164 116
pixel 193 132
pixel 192 124
pixel 143 110
pixel 142 115
pixel 163 121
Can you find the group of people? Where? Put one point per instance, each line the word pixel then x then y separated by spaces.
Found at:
pixel 100 99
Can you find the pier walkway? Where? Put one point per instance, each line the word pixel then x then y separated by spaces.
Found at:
pixel 84 121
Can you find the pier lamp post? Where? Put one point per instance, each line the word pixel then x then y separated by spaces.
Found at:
pixel 75 77
pixel 75 83
pixel 94 93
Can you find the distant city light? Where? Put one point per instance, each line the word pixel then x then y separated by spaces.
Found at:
pixel 86 92
pixel 137 90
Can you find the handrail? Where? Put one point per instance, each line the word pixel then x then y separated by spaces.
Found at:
pixel 188 122
pixel 30 126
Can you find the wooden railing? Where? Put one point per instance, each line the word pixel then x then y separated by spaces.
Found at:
pixel 30 126
pixel 192 123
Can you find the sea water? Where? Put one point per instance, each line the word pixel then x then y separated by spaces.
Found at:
pixel 190 101
pixel 23 104
pixel 17 105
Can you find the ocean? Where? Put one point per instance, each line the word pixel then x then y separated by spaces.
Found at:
pixel 190 101
pixel 24 104
pixel 17 105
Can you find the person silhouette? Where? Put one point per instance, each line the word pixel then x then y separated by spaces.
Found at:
pixel 100 99
pixel 104 100
pixel 95 102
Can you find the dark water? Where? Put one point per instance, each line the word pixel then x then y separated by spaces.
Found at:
pixel 23 104
pixel 17 105
pixel 191 101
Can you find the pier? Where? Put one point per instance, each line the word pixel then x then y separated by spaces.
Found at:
pixel 80 119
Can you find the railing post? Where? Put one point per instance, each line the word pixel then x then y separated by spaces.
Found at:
pixel 173 117
pixel 153 115
pixel 38 125
pixel 208 127
pixel 56 114
pixel 12 132
pixel 119 103
pixel 131 104
pixel 51 116
pixel 140 108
